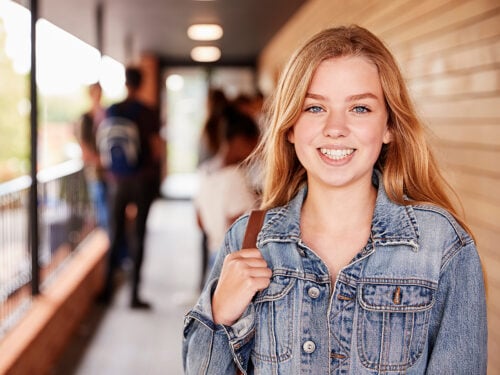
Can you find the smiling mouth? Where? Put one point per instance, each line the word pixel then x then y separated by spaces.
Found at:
pixel 336 154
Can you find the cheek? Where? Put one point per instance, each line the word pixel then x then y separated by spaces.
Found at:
pixel 303 132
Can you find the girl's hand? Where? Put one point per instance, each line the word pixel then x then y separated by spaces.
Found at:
pixel 243 274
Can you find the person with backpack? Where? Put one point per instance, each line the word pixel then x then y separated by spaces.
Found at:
pixel 130 150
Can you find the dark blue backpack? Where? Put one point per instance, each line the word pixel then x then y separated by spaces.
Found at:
pixel 118 140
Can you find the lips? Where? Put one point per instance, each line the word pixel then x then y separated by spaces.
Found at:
pixel 336 154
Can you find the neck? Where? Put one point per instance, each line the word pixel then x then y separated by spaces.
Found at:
pixel 339 209
pixel 96 108
pixel 132 93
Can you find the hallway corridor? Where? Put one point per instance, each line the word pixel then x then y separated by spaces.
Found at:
pixel 122 341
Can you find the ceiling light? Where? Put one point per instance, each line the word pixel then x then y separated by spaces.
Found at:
pixel 205 54
pixel 205 32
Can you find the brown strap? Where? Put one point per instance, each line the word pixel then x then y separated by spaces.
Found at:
pixel 253 228
pixel 250 240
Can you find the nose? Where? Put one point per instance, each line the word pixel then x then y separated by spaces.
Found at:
pixel 335 125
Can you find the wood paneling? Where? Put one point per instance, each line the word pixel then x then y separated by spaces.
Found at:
pixel 449 52
pixel 475 107
pixel 486 238
pixel 475 56
pixel 471 156
pixel 480 134
pixel 491 269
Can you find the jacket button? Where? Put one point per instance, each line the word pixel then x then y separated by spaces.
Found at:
pixel 309 347
pixel 313 292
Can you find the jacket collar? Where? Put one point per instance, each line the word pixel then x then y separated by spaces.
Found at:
pixel 392 224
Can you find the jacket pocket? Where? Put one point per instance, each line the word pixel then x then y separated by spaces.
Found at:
pixel 274 319
pixel 392 323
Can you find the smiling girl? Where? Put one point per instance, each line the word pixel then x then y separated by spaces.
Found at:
pixel 362 265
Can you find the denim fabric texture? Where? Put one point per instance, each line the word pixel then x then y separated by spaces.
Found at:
pixel 411 302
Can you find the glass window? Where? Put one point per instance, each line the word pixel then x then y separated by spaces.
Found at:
pixel 14 94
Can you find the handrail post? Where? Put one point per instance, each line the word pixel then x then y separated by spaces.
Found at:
pixel 33 206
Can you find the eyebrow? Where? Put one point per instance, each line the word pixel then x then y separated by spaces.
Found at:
pixel 314 96
pixel 366 95
pixel 352 98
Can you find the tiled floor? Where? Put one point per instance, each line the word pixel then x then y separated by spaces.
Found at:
pixel 122 341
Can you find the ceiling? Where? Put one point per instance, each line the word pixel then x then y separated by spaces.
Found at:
pixel 131 27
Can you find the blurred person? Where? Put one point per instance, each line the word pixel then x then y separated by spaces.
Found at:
pixel 131 150
pixel 363 264
pixel 86 130
pixel 209 145
pixel 251 105
pixel 224 190
pixel 212 131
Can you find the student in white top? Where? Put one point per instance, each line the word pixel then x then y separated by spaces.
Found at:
pixel 224 189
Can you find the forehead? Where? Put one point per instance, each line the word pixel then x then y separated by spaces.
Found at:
pixel 346 72
pixel 94 88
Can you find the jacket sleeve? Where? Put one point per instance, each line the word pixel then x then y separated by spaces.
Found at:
pixel 458 327
pixel 208 348
pixel 205 348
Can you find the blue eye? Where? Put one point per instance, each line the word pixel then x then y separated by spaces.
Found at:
pixel 360 109
pixel 314 109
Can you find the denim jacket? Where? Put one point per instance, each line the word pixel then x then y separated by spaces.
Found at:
pixel 411 302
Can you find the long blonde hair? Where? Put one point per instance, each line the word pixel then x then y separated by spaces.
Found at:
pixel 410 171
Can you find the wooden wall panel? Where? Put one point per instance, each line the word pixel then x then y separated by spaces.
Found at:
pixel 479 159
pixel 482 30
pixel 481 209
pixel 475 184
pixel 486 239
pixel 491 268
pixel 405 13
pixel 475 83
pixel 494 360
pixel 477 54
pixel 449 52
pixel 476 107
pixel 452 16
pixel 475 134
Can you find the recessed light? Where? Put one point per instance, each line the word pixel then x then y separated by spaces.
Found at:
pixel 205 54
pixel 205 32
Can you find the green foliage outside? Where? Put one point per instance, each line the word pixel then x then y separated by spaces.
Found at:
pixel 57 115
pixel 14 117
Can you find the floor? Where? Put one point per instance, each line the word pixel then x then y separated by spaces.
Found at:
pixel 119 340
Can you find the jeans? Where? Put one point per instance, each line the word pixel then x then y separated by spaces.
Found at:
pixel 98 194
pixel 141 192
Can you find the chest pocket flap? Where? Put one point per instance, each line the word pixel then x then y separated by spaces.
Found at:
pixel 279 287
pixel 395 296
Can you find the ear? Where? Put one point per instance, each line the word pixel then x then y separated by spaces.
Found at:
pixel 387 138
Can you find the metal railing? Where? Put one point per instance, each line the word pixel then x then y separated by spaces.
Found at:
pixel 65 218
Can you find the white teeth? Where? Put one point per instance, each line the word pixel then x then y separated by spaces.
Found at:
pixel 336 154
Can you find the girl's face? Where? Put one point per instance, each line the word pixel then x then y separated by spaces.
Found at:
pixel 343 124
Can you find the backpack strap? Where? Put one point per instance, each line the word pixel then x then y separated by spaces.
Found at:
pixel 255 221
pixel 254 225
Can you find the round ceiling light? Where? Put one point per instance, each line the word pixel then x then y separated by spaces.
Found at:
pixel 205 54
pixel 205 32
